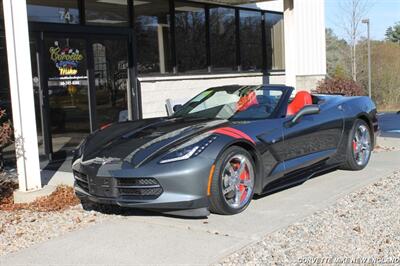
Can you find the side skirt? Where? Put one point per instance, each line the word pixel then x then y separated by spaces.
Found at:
pixel 298 177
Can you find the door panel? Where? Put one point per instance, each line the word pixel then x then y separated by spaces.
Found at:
pixel 272 142
pixel 312 139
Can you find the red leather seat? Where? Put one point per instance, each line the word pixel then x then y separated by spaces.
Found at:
pixel 301 99
pixel 246 101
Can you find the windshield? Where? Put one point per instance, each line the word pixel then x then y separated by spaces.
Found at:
pixel 234 102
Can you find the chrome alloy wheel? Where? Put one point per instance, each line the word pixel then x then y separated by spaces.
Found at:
pixel 237 181
pixel 361 145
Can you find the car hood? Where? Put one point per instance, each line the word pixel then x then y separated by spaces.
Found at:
pixel 135 141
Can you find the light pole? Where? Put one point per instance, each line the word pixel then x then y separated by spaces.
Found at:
pixel 366 21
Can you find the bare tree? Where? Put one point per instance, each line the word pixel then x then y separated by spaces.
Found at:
pixel 352 12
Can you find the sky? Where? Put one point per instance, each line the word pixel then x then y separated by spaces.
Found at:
pixel 382 14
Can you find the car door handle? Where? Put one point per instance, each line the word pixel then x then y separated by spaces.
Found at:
pixel 340 107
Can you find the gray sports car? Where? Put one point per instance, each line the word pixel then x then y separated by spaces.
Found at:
pixel 222 147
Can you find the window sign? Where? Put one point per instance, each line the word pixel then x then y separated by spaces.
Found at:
pixel 66 59
pixel 60 11
pixel 66 16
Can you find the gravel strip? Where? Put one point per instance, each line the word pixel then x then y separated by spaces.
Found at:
pixel 364 225
pixel 23 228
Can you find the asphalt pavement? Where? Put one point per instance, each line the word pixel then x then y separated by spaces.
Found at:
pixel 157 239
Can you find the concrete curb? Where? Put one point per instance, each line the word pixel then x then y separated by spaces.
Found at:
pixel 53 180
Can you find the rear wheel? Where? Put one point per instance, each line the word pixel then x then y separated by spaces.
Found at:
pixel 233 181
pixel 359 146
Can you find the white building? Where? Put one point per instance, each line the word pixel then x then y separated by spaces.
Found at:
pixel 88 61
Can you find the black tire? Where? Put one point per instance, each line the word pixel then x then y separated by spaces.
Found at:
pixel 351 162
pixel 217 200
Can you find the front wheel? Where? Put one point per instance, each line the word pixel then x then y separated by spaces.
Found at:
pixel 359 146
pixel 232 186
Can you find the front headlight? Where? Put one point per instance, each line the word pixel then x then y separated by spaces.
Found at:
pixel 77 152
pixel 189 149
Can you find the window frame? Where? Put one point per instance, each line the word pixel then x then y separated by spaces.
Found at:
pixel 235 44
pixel 209 60
pixel 206 33
pixel 272 70
pixel 129 29
pixel 263 45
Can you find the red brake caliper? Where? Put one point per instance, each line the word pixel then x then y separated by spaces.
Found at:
pixel 242 187
pixel 354 145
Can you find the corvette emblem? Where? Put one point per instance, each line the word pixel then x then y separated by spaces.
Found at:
pixel 102 161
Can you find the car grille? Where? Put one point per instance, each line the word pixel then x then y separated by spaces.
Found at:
pixel 139 188
pixel 143 188
pixel 138 182
pixel 81 180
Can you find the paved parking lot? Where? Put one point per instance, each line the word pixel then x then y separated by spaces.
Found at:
pixel 151 238
pixel 389 124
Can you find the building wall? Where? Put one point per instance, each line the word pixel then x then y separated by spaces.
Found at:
pixel 155 91
pixel 309 18
pixel 310 36
pixel 308 83
pixel 276 5
pixel 305 24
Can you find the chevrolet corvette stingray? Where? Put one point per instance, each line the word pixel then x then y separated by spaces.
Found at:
pixel 222 147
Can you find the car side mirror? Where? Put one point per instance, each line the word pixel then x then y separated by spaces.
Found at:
pixel 177 107
pixel 306 110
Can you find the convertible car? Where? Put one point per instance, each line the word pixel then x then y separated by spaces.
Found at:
pixel 222 147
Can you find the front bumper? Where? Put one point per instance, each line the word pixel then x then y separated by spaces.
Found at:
pixel 167 188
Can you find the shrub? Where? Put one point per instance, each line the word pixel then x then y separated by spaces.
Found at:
pixel 5 134
pixel 340 86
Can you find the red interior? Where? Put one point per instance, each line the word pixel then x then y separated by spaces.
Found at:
pixel 246 101
pixel 301 99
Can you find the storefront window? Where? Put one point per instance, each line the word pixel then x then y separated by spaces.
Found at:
pixel 190 32
pixel 222 39
pixel 60 11
pixel 1 11
pixel 275 41
pixel 250 40
pixel 5 98
pixel 152 29
pixel 110 71
pixel 106 12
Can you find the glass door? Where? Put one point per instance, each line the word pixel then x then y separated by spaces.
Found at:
pixel 65 63
pixel 85 87
pixel 110 64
